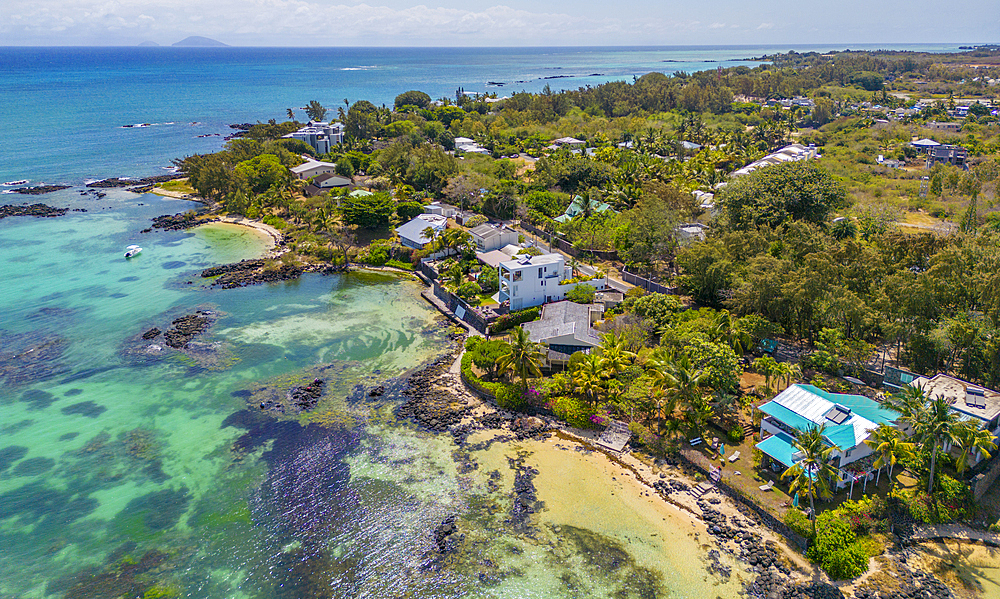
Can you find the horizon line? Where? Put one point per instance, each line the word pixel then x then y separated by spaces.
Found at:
pixel 755 45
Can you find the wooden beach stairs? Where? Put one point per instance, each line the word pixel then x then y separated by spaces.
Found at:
pixel 701 489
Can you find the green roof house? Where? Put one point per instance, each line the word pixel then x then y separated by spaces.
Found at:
pixel 578 205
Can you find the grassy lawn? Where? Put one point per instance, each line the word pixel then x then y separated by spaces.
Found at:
pixel 178 185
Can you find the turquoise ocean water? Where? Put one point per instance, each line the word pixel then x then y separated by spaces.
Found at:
pixel 127 469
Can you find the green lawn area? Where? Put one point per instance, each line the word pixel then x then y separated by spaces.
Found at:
pixel 178 185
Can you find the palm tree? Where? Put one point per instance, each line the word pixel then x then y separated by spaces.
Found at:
pixel 891 446
pixel 586 378
pixel 813 472
pixel 682 385
pixel 614 356
pixel 940 425
pixel 973 438
pixel 767 366
pixel 522 356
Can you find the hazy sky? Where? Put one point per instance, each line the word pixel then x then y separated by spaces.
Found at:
pixel 483 23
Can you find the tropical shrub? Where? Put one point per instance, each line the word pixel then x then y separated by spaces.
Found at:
pixel 581 294
pixel 573 411
pixel 509 321
pixel 469 289
pixel 475 220
pixel 799 523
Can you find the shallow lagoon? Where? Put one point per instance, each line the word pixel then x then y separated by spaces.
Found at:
pixel 128 472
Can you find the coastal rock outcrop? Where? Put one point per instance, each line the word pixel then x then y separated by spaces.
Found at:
pixel 176 222
pixel 119 182
pixel 251 272
pixel 36 210
pixel 185 328
pixel 39 189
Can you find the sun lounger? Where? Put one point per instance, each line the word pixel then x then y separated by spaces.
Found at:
pixel 767 486
pixel 695 441
pixel 735 456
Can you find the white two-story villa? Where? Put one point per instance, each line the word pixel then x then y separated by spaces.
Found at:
pixel 528 281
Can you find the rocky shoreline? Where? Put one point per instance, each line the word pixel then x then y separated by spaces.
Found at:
pixel 144 181
pixel 261 270
pixel 437 401
pixel 39 189
pixel 36 210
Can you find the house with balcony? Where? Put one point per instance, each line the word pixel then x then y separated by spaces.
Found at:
pixel 528 281
pixel 848 419
pixel 412 234
pixel 321 136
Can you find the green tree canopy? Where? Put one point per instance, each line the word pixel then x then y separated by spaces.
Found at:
pixel 315 111
pixel 361 121
pixel 370 212
pixel 777 194
pixel 262 172
pixel 412 98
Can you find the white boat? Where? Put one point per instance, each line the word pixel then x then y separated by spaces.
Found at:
pixel 132 250
pixel 18 182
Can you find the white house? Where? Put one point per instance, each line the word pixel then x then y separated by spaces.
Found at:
pixel 849 420
pixel 411 234
pixel 330 180
pixel 445 210
pixel 490 237
pixel 790 153
pixel 535 280
pixel 321 136
pixel 464 144
pixel 311 168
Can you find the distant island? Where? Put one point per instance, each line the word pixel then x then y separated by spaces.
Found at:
pixel 148 44
pixel 197 41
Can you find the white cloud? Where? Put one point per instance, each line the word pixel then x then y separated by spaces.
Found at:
pixel 765 26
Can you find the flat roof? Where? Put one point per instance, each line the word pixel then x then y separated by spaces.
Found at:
pixel 779 447
pixel 953 389
pixel 526 261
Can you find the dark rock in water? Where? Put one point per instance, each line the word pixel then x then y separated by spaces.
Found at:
pixel 17 426
pixel 251 272
pixel 118 295
pixel 179 221
pixel 30 357
pixel 11 454
pixel 152 333
pixel 443 533
pixel 159 510
pixel 72 392
pixel 122 577
pixel 185 328
pixel 306 397
pixel 88 409
pixel 524 496
pixel 39 190
pixel 33 466
pixel 174 264
pixel 69 436
pixel 118 182
pixel 377 391
pixel 128 279
pixel 38 399
pixel 36 210
pixel 154 470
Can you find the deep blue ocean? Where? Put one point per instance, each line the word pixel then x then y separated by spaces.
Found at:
pixel 61 109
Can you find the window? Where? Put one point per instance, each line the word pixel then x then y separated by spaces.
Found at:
pixel 540 272
pixel 542 283
pixel 517 275
pixel 515 290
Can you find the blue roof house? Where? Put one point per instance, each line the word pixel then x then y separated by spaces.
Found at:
pixel 849 420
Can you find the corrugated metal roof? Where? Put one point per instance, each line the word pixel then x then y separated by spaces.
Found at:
pixel 779 447
pixel 804 406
